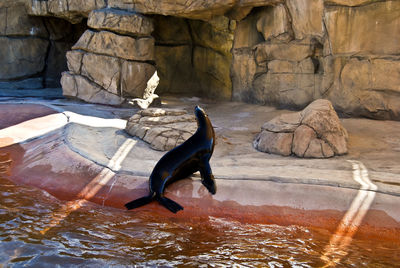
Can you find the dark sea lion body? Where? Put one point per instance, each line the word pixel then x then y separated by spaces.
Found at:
pixel 191 156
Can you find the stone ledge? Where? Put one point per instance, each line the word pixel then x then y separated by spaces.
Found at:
pixel 111 44
pixel 120 21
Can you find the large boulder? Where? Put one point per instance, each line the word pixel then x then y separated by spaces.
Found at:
pixel 315 132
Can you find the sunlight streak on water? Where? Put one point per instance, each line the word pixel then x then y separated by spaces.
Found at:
pixel 93 187
pixel 341 240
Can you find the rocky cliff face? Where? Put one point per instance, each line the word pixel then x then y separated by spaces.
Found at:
pixel 281 52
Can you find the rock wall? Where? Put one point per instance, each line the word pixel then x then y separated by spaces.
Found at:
pixel 297 51
pixel 281 52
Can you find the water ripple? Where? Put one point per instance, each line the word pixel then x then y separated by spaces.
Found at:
pixel 98 236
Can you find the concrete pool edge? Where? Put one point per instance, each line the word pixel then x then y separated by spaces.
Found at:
pixel 47 162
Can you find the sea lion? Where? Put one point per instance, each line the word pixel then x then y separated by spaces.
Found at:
pixel 191 156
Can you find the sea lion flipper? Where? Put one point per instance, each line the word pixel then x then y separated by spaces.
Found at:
pixel 169 204
pixel 207 178
pixel 139 202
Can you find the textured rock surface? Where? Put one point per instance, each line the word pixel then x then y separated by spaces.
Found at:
pixel 71 10
pixel 112 44
pixel 78 86
pixel 163 129
pixel 23 57
pixel 203 9
pixel 114 62
pixel 120 21
pixel 368 29
pixel 315 132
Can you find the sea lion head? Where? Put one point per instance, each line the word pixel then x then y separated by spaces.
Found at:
pixel 209 183
pixel 199 112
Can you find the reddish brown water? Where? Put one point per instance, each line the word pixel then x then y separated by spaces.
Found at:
pixel 100 236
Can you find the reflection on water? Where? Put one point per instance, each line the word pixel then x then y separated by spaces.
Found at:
pixel 5 163
pixel 99 236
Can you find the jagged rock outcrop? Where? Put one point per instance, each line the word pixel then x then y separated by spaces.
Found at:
pixel 113 62
pixel 315 132
pixel 163 129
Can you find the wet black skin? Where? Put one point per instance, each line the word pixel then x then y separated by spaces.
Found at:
pixel 191 156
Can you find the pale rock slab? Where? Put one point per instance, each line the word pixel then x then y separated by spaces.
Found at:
pixel 293 51
pixel 135 77
pixel 274 143
pixel 148 95
pixel 81 87
pixel 121 46
pixel 163 129
pixel 103 70
pixel 307 18
pixel 364 30
pixel 71 10
pixel 120 21
pixel 201 9
pixel 274 23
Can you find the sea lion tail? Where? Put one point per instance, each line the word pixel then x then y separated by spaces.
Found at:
pixel 139 202
pixel 169 204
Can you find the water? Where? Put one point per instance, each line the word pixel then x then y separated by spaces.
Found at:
pixel 97 236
